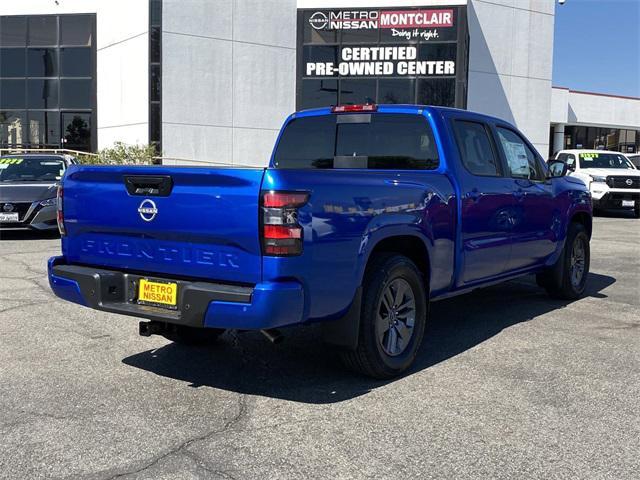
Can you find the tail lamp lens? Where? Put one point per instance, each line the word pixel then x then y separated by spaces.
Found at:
pixel 281 232
pixel 59 212
pixel 369 107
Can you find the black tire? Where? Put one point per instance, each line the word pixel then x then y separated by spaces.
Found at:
pixel 370 358
pixel 558 280
pixel 192 336
pixel 636 211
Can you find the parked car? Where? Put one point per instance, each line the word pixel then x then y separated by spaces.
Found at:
pixel 28 186
pixel 364 216
pixel 614 182
pixel 634 158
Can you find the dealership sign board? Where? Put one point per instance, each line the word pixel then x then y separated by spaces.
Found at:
pixel 363 43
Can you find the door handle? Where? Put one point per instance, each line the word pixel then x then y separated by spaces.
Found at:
pixel 148 185
pixel 473 195
pixel 519 194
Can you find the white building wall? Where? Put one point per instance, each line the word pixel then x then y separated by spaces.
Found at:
pixel 122 61
pixel 228 78
pixel 229 70
pixel 598 110
pixel 510 63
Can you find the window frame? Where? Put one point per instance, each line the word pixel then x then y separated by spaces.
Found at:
pixel 500 173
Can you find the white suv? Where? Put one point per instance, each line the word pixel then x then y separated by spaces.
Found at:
pixel 612 179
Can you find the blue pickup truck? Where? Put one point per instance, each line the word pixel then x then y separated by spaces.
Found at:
pixel 365 215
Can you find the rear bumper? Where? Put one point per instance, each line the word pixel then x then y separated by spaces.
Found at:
pixel 200 304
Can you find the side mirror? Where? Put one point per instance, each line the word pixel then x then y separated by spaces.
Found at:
pixel 557 168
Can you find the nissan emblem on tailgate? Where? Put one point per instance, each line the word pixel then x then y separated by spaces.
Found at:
pixel 148 210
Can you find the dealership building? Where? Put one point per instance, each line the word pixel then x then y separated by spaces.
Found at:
pixel 212 80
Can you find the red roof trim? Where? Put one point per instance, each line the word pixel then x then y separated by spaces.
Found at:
pixel 598 94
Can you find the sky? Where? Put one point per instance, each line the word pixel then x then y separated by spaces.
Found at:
pixel 597 46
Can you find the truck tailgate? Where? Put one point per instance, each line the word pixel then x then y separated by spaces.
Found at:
pixel 205 226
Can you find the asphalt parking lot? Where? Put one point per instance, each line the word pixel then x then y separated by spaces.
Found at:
pixel 509 384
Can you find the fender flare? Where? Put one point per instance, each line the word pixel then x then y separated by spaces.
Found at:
pixel 344 332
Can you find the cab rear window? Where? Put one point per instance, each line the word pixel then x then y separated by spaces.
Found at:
pixel 373 141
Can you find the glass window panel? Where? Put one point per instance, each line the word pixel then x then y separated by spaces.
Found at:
pixel 76 130
pixel 389 141
pixel 475 149
pixel 154 121
pixel 155 83
pixel 75 94
pixel 13 31
pixel 76 30
pixel 319 93
pixel 312 53
pixel 43 30
pixel 360 36
pixel 591 137
pixel 521 160
pixel 44 128
pixel 12 62
pixel 580 137
pixel 357 91
pixel 437 51
pixel 76 62
pixel 156 13
pixel 42 93
pixel 12 94
pixel 12 128
pixel 42 62
pixel 437 91
pixel 396 90
pixel 307 142
pixel 154 53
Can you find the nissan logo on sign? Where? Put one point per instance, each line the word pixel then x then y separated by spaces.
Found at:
pixel 319 20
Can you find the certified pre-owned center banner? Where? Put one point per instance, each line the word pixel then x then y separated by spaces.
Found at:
pixel 390 55
pixel 380 61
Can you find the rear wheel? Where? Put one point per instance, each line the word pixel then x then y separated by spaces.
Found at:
pixel 392 320
pixel 567 279
pixel 185 335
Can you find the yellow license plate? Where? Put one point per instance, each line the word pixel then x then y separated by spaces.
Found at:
pixel 158 293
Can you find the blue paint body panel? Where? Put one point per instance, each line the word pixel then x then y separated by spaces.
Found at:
pixel 208 228
pixel 64 288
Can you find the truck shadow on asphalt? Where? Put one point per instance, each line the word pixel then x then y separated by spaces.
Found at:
pixel 29 234
pixel 301 369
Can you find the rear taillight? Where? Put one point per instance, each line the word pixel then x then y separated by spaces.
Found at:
pixel 59 213
pixel 281 232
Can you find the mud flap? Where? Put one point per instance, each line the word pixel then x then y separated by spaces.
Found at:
pixel 343 333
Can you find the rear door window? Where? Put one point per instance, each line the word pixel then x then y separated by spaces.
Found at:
pixel 475 147
pixel 307 142
pixel 374 141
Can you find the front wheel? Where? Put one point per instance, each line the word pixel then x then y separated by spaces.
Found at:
pixel 567 279
pixel 392 320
